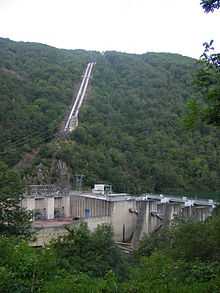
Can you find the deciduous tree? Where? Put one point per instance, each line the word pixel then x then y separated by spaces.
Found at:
pixel 14 220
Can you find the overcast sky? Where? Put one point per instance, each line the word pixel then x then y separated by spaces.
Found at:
pixel 134 26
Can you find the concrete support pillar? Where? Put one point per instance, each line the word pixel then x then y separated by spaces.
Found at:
pixel 106 208
pixel 50 208
pixel 67 206
pixel 82 209
pixel 30 202
pixel 190 211
pixel 94 208
pixel 153 221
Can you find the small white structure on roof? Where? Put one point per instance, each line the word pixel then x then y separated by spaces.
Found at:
pixel 102 189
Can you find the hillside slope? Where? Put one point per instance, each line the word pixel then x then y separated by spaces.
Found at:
pixel 130 131
pixel 36 86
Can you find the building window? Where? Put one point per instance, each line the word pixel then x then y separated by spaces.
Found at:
pixel 88 213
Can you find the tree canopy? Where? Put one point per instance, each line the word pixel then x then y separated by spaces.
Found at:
pixel 14 220
pixel 207 82
pixel 130 132
pixel 185 260
pixel 210 5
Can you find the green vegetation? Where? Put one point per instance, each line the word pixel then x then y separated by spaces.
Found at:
pixel 131 132
pixel 207 81
pixel 14 220
pixel 132 135
pixel 210 5
pixel 93 253
pixel 183 258
pixel 36 85
pixel 61 266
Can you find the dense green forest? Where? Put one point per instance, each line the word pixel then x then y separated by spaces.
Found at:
pixel 132 133
pixel 183 258
pixel 36 85
pixel 131 130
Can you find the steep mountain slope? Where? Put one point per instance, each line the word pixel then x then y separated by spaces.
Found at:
pixel 130 131
pixel 36 85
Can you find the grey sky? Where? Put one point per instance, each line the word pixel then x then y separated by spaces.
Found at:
pixel 134 26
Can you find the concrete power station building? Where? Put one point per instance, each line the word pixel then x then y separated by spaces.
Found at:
pixel 130 216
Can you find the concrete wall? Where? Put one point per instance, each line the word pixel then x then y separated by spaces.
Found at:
pixel 115 213
pixel 148 222
pixel 83 207
pixel 45 235
pixel 66 204
pixel 152 215
pixel 48 205
pixel 50 208
pixel 94 222
pixel 199 213
pixel 130 217
pixel 28 203
pixel 122 220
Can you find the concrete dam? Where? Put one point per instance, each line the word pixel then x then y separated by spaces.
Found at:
pixel 130 216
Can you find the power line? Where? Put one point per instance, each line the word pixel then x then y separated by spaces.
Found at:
pixel 18 143
pixel 24 136
pixel 25 140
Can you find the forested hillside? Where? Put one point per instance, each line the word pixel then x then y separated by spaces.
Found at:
pixel 131 132
pixel 36 86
